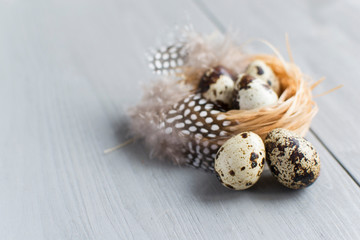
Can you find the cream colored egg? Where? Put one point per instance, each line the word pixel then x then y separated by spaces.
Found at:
pixel 251 93
pixel 217 86
pixel 292 159
pixel 259 69
pixel 221 91
pixel 240 161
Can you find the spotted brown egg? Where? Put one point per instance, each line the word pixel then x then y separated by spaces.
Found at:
pixel 217 86
pixel 292 159
pixel 259 69
pixel 251 93
pixel 240 161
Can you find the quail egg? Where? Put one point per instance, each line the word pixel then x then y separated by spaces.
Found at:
pixel 240 161
pixel 292 159
pixel 259 69
pixel 251 93
pixel 217 86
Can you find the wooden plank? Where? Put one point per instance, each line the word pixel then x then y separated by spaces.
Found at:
pixel 325 42
pixel 68 72
pixel 60 62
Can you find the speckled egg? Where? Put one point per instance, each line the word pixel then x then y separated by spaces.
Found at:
pixel 292 159
pixel 217 86
pixel 251 93
pixel 259 69
pixel 240 161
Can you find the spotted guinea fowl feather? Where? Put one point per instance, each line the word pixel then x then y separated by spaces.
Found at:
pixel 150 112
pixel 176 123
pixel 200 123
pixel 168 60
pixel 178 126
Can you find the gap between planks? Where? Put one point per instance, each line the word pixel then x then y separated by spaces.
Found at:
pixel 334 156
pixel 221 27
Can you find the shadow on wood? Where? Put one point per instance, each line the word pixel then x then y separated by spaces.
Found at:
pixel 209 189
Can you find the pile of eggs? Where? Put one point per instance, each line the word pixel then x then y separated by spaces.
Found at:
pixel 240 161
pixel 257 87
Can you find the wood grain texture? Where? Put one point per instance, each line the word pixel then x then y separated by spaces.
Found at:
pixel 68 71
pixel 325 42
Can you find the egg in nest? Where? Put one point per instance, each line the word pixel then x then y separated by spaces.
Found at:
pixel 217 86
pixel 259 69
pixel 251 93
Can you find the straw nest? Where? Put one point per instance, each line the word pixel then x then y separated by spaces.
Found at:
pixel 295 108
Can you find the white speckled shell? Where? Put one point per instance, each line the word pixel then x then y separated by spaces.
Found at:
pixel 259 69
pixel 240 161
pixel 221 91
pixel 292 159
pixel 256 94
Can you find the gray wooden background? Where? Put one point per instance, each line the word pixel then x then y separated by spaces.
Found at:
pixel 70 69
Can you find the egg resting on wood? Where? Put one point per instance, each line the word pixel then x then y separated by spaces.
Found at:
pixel 240 161
pixel 292 159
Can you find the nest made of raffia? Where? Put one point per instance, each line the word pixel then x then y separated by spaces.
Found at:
pixel 166 98
pixel 295 108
